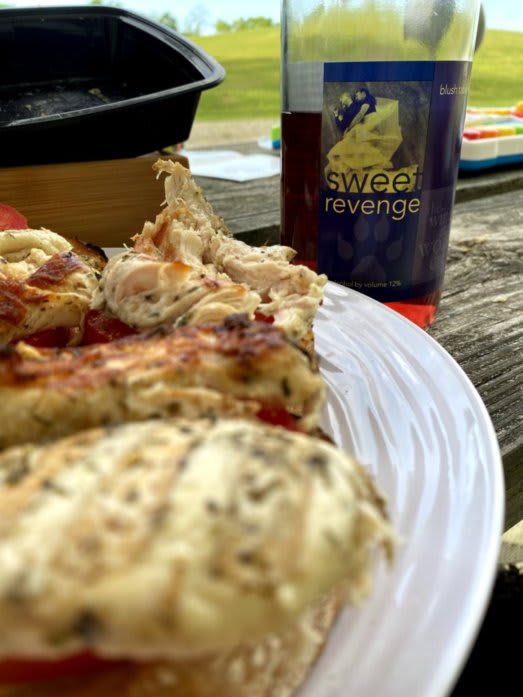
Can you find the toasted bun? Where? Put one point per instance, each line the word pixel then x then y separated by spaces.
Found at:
pixel 275 666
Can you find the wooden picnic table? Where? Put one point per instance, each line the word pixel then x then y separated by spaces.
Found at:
pixel 479 321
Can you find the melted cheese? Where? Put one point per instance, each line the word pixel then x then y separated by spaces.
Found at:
pixel 44 283
pixel 175 538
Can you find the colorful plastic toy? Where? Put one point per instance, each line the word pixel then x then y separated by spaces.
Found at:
pixel 492 136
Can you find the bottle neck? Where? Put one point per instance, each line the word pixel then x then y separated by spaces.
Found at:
pixel 327 30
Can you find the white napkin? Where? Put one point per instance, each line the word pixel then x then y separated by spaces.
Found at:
pixel 232 165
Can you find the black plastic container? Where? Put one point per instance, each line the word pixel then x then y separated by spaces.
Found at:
pixel 95 83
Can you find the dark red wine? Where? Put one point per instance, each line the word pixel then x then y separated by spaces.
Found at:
pixel 300 148
pixel 301 166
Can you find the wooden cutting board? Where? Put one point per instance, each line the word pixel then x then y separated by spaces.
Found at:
pixel 103 202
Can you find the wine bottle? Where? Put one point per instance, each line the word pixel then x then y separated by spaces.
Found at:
pixel 374 94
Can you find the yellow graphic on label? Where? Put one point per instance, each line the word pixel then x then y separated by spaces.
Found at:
pixel 361 160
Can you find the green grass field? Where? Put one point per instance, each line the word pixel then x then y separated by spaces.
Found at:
pixel 252 61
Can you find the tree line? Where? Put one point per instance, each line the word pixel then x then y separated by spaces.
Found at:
pixel 197 20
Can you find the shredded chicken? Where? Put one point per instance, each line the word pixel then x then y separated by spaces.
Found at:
pixel 192 265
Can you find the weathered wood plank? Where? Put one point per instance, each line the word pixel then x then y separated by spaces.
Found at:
pixel 480 320
pixel 250 209
pixel 243 202
pixel 472 185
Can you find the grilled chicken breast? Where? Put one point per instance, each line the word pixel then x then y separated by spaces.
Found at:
pixel 46 282
pixel 189 254
pixel 237 367
pixel 175 538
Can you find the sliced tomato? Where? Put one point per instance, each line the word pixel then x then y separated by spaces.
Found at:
pixel 48 338
pixel 101 327
pixel 11 219
pixel 17 671
pixel 259 317
pixel 279 417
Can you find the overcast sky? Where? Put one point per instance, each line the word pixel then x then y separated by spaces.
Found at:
pixel 501 14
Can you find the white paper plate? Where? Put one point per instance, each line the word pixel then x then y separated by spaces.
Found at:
pixel 408 411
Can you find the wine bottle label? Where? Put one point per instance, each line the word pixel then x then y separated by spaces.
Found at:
pixel 390 146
